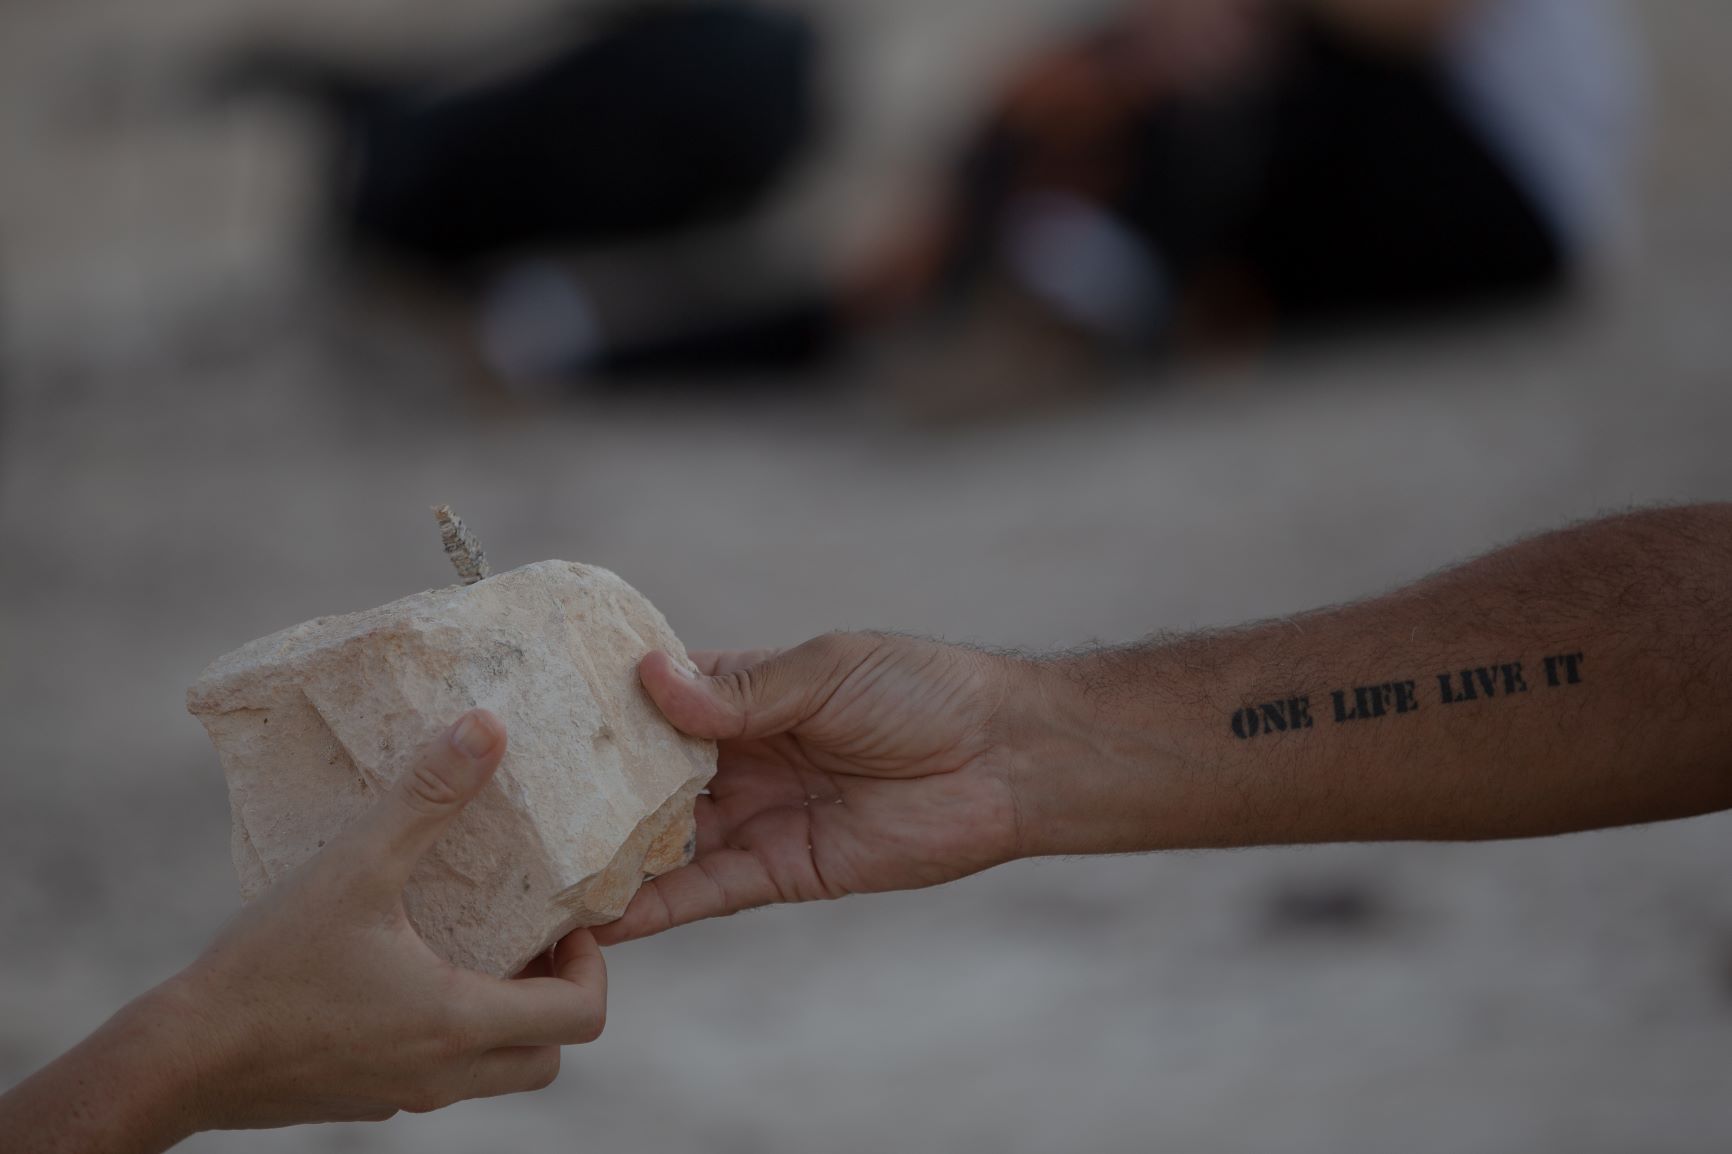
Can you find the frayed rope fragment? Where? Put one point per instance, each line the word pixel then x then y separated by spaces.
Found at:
pixel 461 546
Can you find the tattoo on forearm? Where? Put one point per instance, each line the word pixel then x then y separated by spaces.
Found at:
pixel 1397 698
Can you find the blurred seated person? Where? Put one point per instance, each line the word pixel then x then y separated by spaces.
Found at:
pixel 1219 172
pixel 1184 171
pixel 1334 157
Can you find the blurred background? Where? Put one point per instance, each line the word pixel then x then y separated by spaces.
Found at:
pixel 1015 321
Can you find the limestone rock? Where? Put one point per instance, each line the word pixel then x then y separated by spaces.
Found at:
pixel 596 791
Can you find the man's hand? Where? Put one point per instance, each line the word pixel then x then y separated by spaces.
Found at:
pixel 320 1003
pixel 854 763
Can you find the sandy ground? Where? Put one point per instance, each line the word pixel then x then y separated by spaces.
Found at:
pixel 202 444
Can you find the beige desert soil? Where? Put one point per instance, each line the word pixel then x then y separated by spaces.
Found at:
pixel 204 442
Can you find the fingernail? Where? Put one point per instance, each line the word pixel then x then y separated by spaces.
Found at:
pixel 684 670
pixel 473 737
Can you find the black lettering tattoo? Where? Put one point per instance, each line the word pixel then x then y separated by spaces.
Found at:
pixel 1398 698
pixel 1565 669
pixel 1339 698
pixel 1446 683
pixel 1482 683
pixel 1272 717
pixel 1371 701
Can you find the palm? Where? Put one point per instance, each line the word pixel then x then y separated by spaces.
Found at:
pixel 892 782
pixel 821 832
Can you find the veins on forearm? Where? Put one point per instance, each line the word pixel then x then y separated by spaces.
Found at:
pixel 1400 697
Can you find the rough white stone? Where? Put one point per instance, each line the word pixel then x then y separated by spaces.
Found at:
pixel 596 791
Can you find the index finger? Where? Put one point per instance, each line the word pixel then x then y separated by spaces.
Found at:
pixel 715 885
pixel 566 1009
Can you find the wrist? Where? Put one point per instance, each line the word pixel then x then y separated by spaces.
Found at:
pixel 170 1061
pixel 1096 759
pixel 126 1089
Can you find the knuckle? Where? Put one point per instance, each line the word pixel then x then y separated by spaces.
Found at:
pixel 740 685
pixel 451 1036
pixel 592 1026
pixel 545 1071
pixel 830 649
pixel 425 789
pixel 426 1101
pixel 836 656
pixel 452 1043
pixel 739 692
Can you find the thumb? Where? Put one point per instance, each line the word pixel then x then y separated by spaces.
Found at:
pixel 429 795
pixel 759 700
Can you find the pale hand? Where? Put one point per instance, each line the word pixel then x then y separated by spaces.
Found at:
pixel 320 1003
pixel 323 1003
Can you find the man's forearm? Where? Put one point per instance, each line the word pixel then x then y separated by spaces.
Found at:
pixel 1573 681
